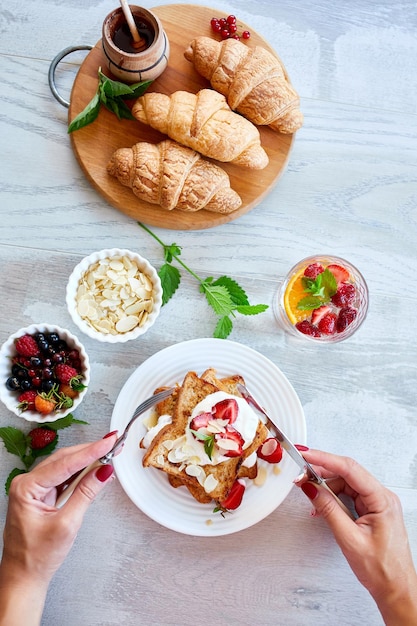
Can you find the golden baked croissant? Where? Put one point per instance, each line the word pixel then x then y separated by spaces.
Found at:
pixel 252 79
pixel 173 176
pixel 205 123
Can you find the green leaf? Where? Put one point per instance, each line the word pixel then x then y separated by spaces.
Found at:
pixel 113 88
pixel 15 472
pixel 87 116
pixel 64 422
pixel 14 440
pixel 324 286
pixel 219 299
pixel 223 328
pixel 252 309
pixel 138 89
pixel 237 294
pixel 208 442
pixel 170 280
pixel 171 252
pixel 310 302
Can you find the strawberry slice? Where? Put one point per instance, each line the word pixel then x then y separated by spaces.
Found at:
pixel 270 450
pixel 319 313
pixel 234 497
pixel 200 421
pixel 339 272
pixel 231 437
pixel 226 410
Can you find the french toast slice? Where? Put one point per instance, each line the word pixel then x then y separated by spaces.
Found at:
pixel 223 475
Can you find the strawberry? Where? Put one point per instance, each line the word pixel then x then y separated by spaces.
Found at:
pixel 44 403
pixel 270 450
pixel 340 273
pixel 327 325
pixel 345 295
pixel 226 410
pixel 26 346
pixel 307 328
pixel 234 497
pixel 346 316
pixel 27 400
pixel 200 421
pixel 319 313
pixel 41 437
pixel 313 270
pixel 232 436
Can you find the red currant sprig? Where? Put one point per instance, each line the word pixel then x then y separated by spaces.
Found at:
pixel 226 27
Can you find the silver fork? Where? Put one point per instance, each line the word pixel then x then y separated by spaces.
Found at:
pixel 107 458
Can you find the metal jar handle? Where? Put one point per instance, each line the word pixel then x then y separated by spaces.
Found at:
pixel 55 61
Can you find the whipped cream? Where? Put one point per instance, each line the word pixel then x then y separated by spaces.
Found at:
pixel 189 450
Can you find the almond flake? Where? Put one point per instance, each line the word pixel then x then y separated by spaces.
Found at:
pixel 227 444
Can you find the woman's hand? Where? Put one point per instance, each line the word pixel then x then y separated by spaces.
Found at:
pixel 376 543
pixel 37 535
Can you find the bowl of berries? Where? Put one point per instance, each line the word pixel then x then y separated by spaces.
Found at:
pixel 322 299
pixel 44 373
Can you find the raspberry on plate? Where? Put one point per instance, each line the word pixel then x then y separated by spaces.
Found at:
pixel 26 346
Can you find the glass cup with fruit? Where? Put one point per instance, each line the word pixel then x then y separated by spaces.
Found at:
pixel 323 299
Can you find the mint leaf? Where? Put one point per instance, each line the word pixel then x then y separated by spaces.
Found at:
pixel 15 472
pixel 237 294
pixel 218 298
pixel 224 295
pixel 14 440
pixel 320 289
pixel 208 442
pixel 309 303
pixel 223 328
pixel 170 280
pixel 251 309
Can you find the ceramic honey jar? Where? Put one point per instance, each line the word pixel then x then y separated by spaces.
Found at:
pixel 127 62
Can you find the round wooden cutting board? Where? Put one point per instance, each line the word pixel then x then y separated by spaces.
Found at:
pixel 94 144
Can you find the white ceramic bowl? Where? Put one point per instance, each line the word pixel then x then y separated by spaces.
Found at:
pixel 7 351
pixel 84 324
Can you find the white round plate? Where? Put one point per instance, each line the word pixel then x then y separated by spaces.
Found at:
pixel 148 487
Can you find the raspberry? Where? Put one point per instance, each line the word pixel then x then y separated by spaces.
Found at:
pixel 346 317
pixel 27 400
pixel 41 437
pixel 313 270
pixel 307 328
pixel 44 405
pixel 26 346
pixel 327 325
pixel 344 295
pixel 65 373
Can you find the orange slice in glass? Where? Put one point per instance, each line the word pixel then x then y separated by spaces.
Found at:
pixel 293 294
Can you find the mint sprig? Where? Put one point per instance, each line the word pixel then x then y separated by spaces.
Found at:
pixel 19 443
pixel 111 94
pixel 320 290
pixel 208 442
pixel 224 295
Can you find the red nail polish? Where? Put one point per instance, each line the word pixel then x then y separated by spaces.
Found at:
pixel 301 448
pixel 310 490
pixel 104 472
pixel 113 432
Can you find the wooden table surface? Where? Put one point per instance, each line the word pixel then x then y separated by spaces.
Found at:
pixel 350 189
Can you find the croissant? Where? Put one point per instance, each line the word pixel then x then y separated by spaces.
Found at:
pixel 173 176
pixel 205 123
pixel 252 79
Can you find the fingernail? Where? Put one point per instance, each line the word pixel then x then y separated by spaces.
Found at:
pixel 301 448
pixel 310 490
pixel 104 472
pixel 113 432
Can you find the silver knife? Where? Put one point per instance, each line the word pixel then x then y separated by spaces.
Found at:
pixel 290 448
